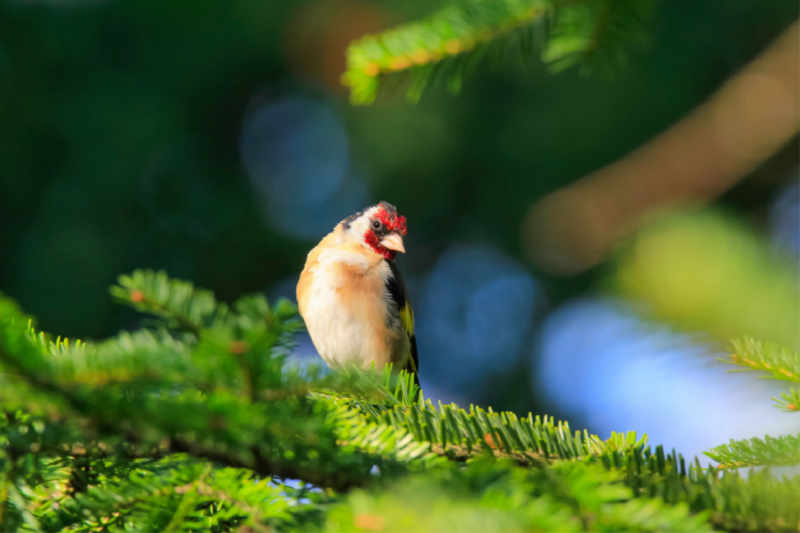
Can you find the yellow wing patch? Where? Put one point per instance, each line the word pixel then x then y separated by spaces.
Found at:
pixel 407 317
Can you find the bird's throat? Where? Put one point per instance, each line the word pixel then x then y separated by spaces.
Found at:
pixel 374 242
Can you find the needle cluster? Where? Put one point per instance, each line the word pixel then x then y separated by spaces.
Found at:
pixel 196 422
pixel 455 40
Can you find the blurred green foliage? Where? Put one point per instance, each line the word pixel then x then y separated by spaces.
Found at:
pixel 195 422
pixel 707 272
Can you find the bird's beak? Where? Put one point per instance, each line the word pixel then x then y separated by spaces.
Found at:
pixel 393 241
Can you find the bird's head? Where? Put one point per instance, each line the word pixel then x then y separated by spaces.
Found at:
pixel 378 228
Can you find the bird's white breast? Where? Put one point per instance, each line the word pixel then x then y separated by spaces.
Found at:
pixel 346 314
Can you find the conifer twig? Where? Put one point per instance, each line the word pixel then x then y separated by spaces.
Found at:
pixel 451 41
pixel 774 361
pixel 780 451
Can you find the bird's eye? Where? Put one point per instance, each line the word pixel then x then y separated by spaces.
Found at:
pixel 377 224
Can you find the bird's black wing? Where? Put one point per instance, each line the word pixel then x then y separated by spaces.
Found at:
pixel 399 294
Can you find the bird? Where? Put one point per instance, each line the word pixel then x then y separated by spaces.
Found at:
pixel 352 297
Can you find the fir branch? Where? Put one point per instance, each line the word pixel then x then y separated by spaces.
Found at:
pixel 56 347
pixel 340 480
pixel 489 495
pixel 455 32
pixel 187 493
pixel 144 355
pixel 772 360
pixel 780 451
pixel 244 496
pixel 220 401
pixel 213 417
pixel 450 430
pixel 452 41
pixel 178 302
pixel 759 502
pixel 789 401
pixel 595 33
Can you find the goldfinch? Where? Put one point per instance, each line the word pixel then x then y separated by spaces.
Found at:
pixel 352 297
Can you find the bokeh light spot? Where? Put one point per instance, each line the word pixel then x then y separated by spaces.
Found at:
pixel 601 365
pixel 475 314
pixel 313 222
pixel 296 154
pixel 295 150
pixel 784 218
pixel 705 271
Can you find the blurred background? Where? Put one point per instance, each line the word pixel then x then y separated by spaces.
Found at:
pixel 214 140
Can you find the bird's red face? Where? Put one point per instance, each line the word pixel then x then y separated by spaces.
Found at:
pixel 385 232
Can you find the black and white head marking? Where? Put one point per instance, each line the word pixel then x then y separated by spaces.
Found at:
pixel 349 220
pixel 357 224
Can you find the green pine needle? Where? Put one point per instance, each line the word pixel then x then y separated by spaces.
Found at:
pixel 780 451
pixel 771 360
